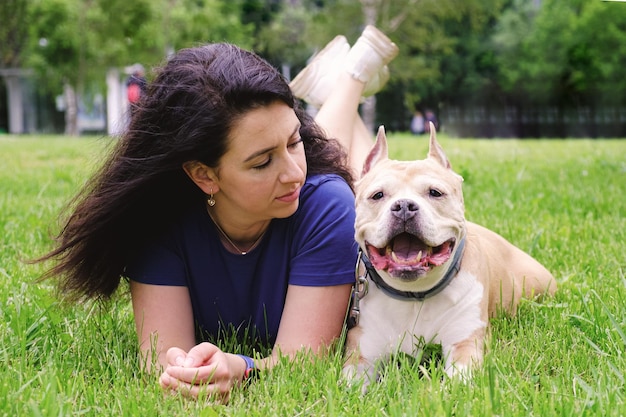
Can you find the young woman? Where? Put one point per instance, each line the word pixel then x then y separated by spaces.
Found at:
pixel 228 210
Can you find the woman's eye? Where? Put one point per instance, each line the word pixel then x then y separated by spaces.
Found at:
pixel 435 193
pixel 378 195
pixel 292 145
pixel 295 144
pixel 263 165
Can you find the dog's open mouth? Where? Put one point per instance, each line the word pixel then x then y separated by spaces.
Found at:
pixel 407 257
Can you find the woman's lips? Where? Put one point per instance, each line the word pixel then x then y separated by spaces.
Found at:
pixel 290 197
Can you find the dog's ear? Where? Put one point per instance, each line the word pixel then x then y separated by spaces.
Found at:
pixel 435 151
pixel 378 151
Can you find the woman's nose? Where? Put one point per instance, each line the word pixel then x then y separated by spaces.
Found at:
pixel 292 171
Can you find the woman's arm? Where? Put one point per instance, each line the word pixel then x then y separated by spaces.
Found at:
pixel 163 318
pixel 313 319
pixel 165 327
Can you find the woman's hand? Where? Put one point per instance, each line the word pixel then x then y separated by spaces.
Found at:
pixel 204 370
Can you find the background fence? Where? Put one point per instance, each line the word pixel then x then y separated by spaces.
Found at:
pixel 535 122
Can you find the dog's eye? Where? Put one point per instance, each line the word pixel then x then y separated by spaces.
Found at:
pixel 378 195
pixel 435 193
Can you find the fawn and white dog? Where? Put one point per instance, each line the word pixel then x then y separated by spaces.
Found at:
pixel 431 274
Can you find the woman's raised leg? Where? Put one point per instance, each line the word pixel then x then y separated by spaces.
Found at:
pixel 335 82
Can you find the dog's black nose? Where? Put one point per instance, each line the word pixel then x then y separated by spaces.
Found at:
pixel 404 209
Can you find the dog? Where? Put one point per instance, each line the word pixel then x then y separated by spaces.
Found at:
pixel 429 274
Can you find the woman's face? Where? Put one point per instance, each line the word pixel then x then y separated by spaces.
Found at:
pixel 264 168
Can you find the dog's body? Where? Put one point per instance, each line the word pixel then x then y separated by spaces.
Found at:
pixel 438 278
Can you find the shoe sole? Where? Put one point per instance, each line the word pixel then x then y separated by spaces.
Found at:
pixel 305 81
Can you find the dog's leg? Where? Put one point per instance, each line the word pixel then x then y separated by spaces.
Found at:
pixel 462 357
pixel 357 368
pixel 362 372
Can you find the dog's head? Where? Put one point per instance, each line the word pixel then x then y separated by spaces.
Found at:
pixel 409 215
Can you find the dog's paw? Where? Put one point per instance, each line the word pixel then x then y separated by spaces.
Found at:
pixel 468 356
pixel 358 375
pixel 460 372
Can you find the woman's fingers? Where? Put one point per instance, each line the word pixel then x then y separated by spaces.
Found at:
pixel 204 370
pixel 175 356
pixel 199 375
pixel 200 355
pixel 197 366
pixel 210 391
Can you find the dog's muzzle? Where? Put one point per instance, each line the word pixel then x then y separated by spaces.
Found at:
pixel 407 257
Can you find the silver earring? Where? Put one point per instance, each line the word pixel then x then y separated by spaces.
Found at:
pixel 211 200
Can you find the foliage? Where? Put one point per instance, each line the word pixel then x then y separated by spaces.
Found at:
pixel 125 31
pixel 445 46
pixel 191 22
pixel 284 40
pixel 566 52
pixel 78 40
pixel 13 32
pixel 561 201
pixel 499 52
pixel 562 53
pixel 54 36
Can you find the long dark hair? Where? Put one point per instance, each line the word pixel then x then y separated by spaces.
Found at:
pixel 186 114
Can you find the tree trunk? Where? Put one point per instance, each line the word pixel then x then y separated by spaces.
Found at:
pixel 71 110
pixel 368 108
pixel 368 113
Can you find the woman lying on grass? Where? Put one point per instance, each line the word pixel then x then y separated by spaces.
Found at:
pixel 226 207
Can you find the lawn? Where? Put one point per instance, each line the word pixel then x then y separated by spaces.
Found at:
pixel 563 201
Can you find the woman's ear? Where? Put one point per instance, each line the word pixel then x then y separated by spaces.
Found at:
pixel 202 175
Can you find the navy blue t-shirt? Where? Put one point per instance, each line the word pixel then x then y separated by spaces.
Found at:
pixel 313 247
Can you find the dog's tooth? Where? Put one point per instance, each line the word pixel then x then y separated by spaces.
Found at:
pixel 394 257
pixel 419 256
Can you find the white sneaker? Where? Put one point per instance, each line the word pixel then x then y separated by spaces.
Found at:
pixel 315 82
pixel 374 50
pixel 377 82
pixel 370 54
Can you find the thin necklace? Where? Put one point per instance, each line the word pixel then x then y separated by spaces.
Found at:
pixel 223 233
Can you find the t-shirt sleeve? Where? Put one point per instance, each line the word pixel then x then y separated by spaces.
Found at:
pixel 157 264
pixel 324 242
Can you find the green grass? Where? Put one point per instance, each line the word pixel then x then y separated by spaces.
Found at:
pixel 561 200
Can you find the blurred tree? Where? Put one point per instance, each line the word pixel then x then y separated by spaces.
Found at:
pixel 59 50
pixel 509 40
pixel 74 42
pixel 259 13
pixel 438 39
pixel 563 53
pixel 124 32
pixel 444 57
pixel 441 48
pixel 602 33
pixel 13 39
pixel 452 52
pixel 191 22
pixel 13 32
pixel 284 40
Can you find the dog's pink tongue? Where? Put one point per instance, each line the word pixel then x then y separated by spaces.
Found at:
pixel 441 256
pixel 378 257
